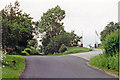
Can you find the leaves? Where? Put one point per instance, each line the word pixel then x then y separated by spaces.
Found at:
pixel 111 27
pixel 50 21
pixel 111 43
pixel 17 26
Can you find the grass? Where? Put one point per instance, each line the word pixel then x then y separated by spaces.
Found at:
pixel 110 64
pixel 101 47
pixel 0 72
pixel 10 71
pixel 73 50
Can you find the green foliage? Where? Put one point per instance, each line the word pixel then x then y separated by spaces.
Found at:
pixel 111 43
pixel 111 27
pixel 72 50
pixel 32 43
pixel 16 26
pixel 25 53
pixel 28 50
pixel 54 33
pixel 18 49
pixel 50 22
pixel 77 50
pixel 50 25
pixel 14 53
pixel 10 71
pixel 34 51
pixel 100 47
pixel 55 43
pixel 101 61
pixel 40 50
pixel 63 48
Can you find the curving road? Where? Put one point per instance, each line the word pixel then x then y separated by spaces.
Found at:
pixel 68 66
pixel 88 55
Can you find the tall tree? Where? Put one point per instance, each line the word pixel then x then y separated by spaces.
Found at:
pixel 51 22
pixel 53 29
pixel 16 26
pixel 111 27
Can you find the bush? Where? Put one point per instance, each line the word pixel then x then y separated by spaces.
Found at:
pixel 111 43
pixel 28 50
pixel 111 27
pixel 33 51
pixel 32 43
pixel 63 48
pixel 53 44
pixel 14 53
pixel 40 50
pixel 50 49
pixel 25 53
pixel 18 49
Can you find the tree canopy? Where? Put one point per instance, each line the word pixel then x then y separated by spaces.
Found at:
pixel 16 26
pixel 110 39
pixel 51 22
pixel 54 34
pixel 111 27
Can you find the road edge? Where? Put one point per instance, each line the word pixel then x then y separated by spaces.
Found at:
pixel 21 76
pixel 116 76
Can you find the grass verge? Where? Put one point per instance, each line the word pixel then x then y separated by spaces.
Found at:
pixel 101 47
pixel 10 71
pixel 109 64
pixel 0 72
pixel 73 50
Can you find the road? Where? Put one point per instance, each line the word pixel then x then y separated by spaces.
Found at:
pixel 88 55
pixel 67 66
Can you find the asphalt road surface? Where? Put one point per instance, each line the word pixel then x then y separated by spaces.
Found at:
pixel 67 66
pixel 88 55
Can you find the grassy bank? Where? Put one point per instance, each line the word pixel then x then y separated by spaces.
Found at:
pixel 0 72
pixel 73 50
pixel 110 64
pixel 101 47
pixel 11 71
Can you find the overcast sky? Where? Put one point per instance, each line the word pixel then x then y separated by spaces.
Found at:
pixel 81 15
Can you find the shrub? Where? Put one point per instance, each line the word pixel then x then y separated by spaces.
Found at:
pixel 53 44
pixel 14 53
pixel 40 49
pixel 18 49
pixel 111 43
pixel 28 50
pixel 63 48
pixel 34 51
pixel 50 48
pixel 32 43
pixel 25 53
pixel 111 27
